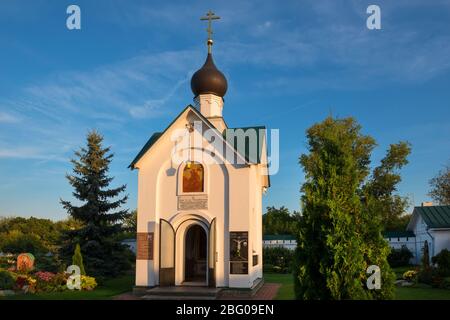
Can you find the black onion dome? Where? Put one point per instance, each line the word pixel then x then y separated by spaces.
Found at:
pixel 208 79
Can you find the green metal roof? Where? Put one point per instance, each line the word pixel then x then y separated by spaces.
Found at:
pixel 147 146
pixel 435 216
pixel 398 234
pixel 243 151
pixel 244 148
pixel 279 237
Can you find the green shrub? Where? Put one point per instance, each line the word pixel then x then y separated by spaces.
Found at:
pixel 426 275
pixel 399 257
pixel 426 255
pixel 280 259
pixel 410 275
pixel 7 261
pixel 48 263
pixel 18 242
pixel 442 260
pixel 268 268
pixel 445 284
pixel 88 283
pixel 77 259
pixel 7 280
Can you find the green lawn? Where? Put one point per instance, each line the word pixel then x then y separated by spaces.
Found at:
pixel 107 291
pixel 286 291
pixel 421 293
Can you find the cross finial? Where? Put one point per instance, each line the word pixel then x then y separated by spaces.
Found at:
pixel 210 16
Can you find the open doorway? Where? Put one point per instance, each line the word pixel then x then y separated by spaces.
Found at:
pixel 195 255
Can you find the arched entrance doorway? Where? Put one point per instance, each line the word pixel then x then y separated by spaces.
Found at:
pixel 195 255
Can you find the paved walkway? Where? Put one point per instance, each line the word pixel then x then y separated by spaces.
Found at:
pixel 267 292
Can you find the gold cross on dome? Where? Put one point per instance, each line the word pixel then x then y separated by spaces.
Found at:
pixel 210 16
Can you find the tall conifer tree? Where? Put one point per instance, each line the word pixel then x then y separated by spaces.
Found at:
pixel 99 211
pixel 338 236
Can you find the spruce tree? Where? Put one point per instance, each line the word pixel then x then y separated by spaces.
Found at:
pixel 339 238
pixel 99 211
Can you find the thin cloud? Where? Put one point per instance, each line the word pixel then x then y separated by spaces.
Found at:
pixel 28 153
pixel 8 118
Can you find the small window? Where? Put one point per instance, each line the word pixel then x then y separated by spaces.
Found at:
pixel 193 177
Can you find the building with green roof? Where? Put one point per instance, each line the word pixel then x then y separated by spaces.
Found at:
pixel 429 226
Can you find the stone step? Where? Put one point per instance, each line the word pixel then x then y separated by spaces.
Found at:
pixel 164 297
pixel 184 292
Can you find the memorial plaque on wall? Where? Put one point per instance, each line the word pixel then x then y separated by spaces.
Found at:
pixel 255 260
pixel 144 246
pixel 193 202
pixel 239 252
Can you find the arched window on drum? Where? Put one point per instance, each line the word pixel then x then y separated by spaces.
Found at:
pixel 193 177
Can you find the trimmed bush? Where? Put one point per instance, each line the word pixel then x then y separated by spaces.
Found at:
pixel 410 275
pixel 88 283
pixel 445 284
pixel 399 257
pixel 442 260
pixel 278 260
pixel 268 268
pixel 426 275
pixel 77 259
pixel 6 280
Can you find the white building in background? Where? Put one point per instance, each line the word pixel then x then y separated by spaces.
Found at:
pixel 131 244
pixel 280 241
pixel 199 220
pixel 429 225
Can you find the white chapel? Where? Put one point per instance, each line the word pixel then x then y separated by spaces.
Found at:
pixel 200 189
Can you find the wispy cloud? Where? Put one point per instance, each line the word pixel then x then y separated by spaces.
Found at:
pixel 28 153
pixel 8 118
pixel 139 82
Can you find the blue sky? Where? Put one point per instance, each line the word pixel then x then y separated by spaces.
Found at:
pixel 289 64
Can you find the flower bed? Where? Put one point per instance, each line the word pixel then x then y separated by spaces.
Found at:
pixel 41 281
pixel 30 281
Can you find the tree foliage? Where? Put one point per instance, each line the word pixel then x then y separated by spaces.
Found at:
pixel 426 255
pixel 77 259
pixel 440 187
pixel 340 231
pixel 280 221
pixel 99 211
pixel 34 235
pixel 383 183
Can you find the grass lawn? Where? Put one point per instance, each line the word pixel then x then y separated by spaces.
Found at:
pixel 421 293
pixel 107 291
pixel 286 291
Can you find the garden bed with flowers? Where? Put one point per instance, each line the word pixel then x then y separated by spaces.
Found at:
pixel 15 280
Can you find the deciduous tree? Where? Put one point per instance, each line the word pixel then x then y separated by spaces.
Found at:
pixel 440 187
